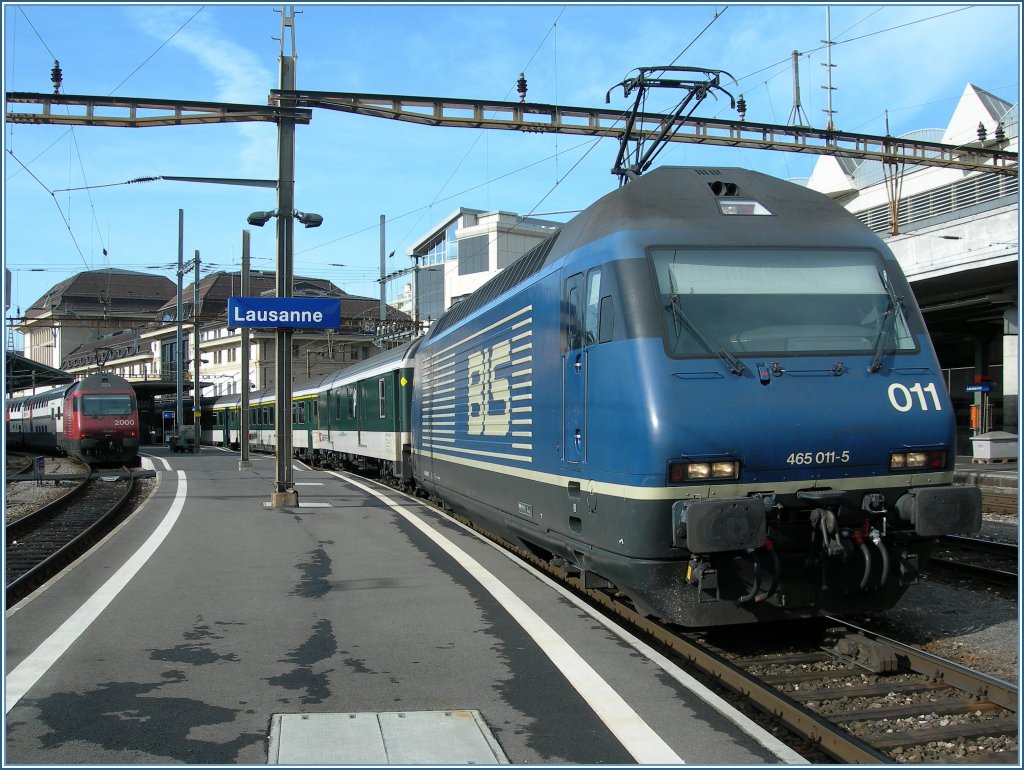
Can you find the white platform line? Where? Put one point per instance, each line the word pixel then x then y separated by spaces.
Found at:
pixel 39 661
pixel 149 464
pixel 636 736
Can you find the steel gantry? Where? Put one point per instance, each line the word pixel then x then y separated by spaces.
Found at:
pixel 533 117
pixel 135 112
pixel 529 117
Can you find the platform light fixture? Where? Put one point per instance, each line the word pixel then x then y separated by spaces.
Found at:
pixel 260 218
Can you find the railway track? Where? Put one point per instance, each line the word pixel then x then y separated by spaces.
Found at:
pixel 847 695
pixel 986 560
pixel 42 543
pixel 18 463
pixel 853 695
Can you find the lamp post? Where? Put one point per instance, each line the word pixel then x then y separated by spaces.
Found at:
pixel 243 414
pixel 179 352
pixel 284 495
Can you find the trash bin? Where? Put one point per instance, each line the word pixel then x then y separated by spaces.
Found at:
pixel 994 446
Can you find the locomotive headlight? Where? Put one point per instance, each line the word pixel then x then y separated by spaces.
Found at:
pixel 698 471
pixel 725 470
pixel 680 472
pixel 905 461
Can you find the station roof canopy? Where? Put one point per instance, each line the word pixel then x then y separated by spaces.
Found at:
pixel 24 373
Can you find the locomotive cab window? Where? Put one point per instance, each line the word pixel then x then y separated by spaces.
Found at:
pixel 768 301
pixel 102 406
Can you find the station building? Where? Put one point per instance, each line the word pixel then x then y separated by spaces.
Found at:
pixel 459 255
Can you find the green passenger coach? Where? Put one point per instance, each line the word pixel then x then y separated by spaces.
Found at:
pixel 358 418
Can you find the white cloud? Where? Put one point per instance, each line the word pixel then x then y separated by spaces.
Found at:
pixel 237 74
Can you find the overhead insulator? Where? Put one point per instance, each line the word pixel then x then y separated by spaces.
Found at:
pixel 56 76
pixel 521 86
pixel 1000 133
pixel 741 107
pixel 982 133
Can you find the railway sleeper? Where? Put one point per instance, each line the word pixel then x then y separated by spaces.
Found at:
pixel 949 707
pixel 980 729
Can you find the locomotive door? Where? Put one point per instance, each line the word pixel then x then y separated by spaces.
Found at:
pixel 574 374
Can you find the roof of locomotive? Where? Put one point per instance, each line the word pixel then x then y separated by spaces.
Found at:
pixel 672 199
pixel 687 198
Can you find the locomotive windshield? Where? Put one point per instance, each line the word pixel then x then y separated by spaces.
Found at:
pixel 734 302
pixel 106 406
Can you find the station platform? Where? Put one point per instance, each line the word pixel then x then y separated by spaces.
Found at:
pixel 998 477
pixel 357 628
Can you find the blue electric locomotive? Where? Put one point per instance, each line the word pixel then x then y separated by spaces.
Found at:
pixel 712 390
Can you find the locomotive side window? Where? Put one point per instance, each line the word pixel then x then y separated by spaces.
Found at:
pixel 572 320
pixel 607 322
pixel 593 309
pixel 771 301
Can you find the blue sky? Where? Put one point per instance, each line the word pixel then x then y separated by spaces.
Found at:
pixel 913 60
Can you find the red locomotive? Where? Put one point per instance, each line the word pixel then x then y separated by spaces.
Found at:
pixel 95 419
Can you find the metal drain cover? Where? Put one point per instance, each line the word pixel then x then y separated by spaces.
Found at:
pixel 457 737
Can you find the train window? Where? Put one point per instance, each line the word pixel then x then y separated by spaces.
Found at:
pixel 315 411
pixel 573 336
pixel 607 322
pixel 593 307
pixel 350 393
pixel 381 398
pixel 774 301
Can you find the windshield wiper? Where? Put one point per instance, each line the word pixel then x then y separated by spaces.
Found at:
pixel 892 313
pixel 735 366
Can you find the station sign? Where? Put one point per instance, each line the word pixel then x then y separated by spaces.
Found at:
pixel 169 415
pixel 284 312
pixel 980 387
